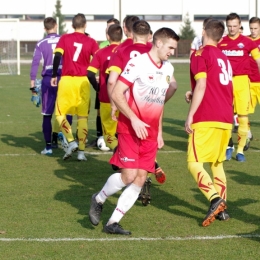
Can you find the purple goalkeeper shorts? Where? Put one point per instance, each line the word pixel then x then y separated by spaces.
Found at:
pixel 49 95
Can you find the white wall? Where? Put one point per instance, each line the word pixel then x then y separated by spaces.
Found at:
pixel 33 31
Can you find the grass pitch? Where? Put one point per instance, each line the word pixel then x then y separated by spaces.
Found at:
pixel 44 201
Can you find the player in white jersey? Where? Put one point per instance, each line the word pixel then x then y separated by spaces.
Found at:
pixel 149 82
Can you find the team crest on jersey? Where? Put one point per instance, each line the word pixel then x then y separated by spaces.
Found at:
pixel 168 79
pixel 151 78
pixel 241 45
pixel 127 71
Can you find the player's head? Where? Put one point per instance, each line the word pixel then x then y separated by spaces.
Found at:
pixel 79 21
pixel 49 23
pixel 233 22
pixel 254 26
pixel 115 33
pixel 129 21
pixel 214 30
pixel 141 30
pixel 112 21
pixel 165 41
pixel 205 21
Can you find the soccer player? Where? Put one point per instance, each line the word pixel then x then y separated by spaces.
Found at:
pixel 254 76
pixel 140 32
pixel 73 95
pixel 99 131
pixel 149 81
pixel 208 121
pixel 237 48
pixel 44 50
pixel 100 63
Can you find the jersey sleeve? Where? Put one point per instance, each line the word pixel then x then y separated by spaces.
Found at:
pixel 60 45
pixel 95 63
pixel 130 72
pixel 116 63
pixel 35 62
pixel 254 50
pixel 198 65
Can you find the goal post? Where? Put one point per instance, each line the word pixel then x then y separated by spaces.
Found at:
pixel 9 47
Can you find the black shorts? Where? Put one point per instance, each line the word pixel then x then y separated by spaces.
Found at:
pixel 97 102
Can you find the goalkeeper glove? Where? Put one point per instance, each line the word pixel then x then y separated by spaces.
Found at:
pixel 36 93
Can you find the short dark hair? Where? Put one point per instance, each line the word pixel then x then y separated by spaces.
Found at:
pixel 233 16
pixel 165 33
pixel 254 20
pixel 49 23
pixel 115 32
pixel 129 21
pixel 141 27
pixel 205 21
pixel 215 29
pixel 113 20
pixel 79 21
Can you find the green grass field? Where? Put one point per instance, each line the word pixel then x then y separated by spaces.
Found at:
pixel 44 201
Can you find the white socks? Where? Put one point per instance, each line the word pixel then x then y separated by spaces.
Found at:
pixel 114 184
pixel 125 202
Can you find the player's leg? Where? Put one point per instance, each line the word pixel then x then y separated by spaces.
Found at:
pixel 241 106
pixel 82 112
pixel 108 126
pixel 202 147
pixel 220 184
pixel 48 103
pixel 66 103
pixel 98 123
pixel 126 200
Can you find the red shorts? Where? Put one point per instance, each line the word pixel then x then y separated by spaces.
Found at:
pixel 134 153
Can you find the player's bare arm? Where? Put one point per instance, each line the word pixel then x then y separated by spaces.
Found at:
pixel 197 97
pixel 160 136
pixel 118 98
pixel 172 89
pixel 111 82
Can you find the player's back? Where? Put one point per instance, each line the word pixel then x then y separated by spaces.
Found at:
pixel 123 55
pixel 216 105
pixel 77 49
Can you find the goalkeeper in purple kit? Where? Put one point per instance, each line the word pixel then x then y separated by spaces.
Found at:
pixel 44 50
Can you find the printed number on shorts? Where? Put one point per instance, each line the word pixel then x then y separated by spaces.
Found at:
pixel 77 51
pixel 226 74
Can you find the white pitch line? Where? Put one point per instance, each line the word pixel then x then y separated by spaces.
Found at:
pixel 130 238
pixel 103 153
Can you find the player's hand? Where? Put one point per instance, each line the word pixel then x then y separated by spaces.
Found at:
pixel 188 96
pixel 54 82
pixel 140 128
pixel 160 141
pixel 113 112
pixel 36 99
pixel 188 124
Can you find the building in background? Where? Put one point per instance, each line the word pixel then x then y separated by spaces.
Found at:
pixel 163 13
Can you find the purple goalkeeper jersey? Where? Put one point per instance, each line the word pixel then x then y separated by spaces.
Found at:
pixel 44 50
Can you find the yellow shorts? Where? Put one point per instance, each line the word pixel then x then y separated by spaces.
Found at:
pixel 255 96
pixel 208 144
pixel 73 96
pixel 108 125
pixel 241 94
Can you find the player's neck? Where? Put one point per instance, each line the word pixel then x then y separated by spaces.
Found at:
pixel 154 56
